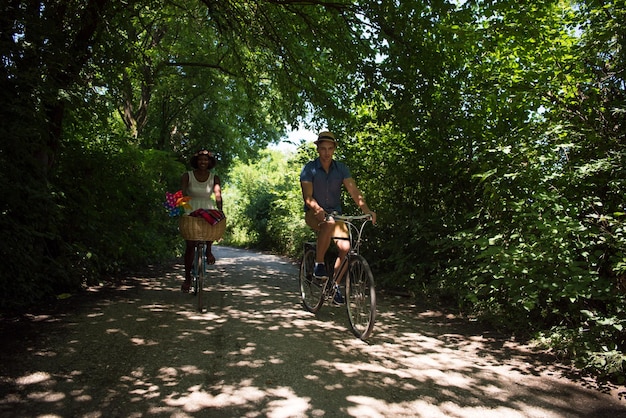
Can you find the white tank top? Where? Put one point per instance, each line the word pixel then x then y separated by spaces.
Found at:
pixel 201 191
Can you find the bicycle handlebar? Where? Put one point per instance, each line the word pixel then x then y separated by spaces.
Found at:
pixel 348 218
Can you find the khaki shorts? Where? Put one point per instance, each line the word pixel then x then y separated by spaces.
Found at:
pixel 341 230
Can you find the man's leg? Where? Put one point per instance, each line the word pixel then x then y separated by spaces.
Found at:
pixel 343 245
pixel 324 234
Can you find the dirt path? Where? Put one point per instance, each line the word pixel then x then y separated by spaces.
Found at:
pixel 140 350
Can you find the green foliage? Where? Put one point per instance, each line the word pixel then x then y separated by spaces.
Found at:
pixel 106 216
pixel 28 246
pixel 495 151
pixel 114 200
pixel 263 203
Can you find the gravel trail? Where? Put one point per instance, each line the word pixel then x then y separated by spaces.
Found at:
pixel 140 349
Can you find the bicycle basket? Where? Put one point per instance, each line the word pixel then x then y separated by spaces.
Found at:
pixel 197 229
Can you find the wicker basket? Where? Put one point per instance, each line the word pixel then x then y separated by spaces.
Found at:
pixel 197 229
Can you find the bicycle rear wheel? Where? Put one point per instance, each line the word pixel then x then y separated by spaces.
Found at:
pixel 311 289
pixel 360 297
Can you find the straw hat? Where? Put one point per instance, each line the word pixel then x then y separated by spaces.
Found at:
pixel 326 136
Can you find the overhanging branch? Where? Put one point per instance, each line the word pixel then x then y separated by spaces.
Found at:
pixel 202 65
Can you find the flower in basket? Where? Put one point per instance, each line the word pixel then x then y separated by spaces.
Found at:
pixel 176 204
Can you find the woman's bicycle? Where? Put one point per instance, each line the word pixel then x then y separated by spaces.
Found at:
pixel 360 289
pixel 197 229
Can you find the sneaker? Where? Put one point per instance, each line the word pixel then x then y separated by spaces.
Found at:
pixel 338 298
pixel 320 272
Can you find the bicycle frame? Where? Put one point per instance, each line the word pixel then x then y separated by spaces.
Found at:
pixel 355 234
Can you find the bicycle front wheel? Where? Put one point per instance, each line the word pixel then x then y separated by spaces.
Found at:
pixel 311 289
pixel 360 297
pixel 199 272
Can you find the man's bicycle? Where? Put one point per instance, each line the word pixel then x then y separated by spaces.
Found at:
pixel 359 283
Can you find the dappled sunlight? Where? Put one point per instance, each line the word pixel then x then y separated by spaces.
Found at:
pixel 370 407
pixel 283 401
pixel 254 351
pixel 142 341
pixel 37 377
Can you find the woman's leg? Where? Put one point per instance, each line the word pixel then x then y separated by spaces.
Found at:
pixel 210 258
pixel 189 249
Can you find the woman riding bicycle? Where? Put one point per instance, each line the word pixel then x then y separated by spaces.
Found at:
pixel 200 184
pixel 321 181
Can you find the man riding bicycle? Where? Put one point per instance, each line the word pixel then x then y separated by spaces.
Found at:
pixel 321 181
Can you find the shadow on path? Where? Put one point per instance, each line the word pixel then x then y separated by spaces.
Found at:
pixel 141 350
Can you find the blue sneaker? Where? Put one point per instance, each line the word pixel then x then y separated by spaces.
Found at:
pixel 320 272
pixel 338 298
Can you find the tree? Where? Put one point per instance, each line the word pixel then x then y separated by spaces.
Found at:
pixel 506 122
pixel 175 76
